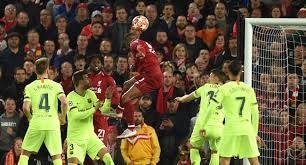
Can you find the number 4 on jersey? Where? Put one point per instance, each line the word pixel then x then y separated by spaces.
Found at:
pixel 44 102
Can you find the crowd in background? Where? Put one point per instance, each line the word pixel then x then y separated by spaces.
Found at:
pixel 190 38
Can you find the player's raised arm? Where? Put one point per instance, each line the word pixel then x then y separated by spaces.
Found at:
pixel 107 102
pixel 255 113
pixel 64 108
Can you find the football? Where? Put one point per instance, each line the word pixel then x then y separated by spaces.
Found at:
pixel 140 23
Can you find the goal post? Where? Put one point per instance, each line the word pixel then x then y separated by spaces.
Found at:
pixel 274 50
pixel 248 41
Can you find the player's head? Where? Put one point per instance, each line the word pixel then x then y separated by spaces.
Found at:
pixel 130 37
pixel 42 66
pixel 235 69
pixel 217 77
pixel 80 80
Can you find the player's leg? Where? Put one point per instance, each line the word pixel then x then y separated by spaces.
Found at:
pixel 128 110
pixel 76 152
pixel 96 148
pixel 196 142
pixel 225 160
pixel 249 149
pixel 213 135
pixel 31 144
pixel 228 148
pixel 53 143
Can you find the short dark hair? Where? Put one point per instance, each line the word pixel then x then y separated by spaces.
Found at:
pixel 221 75
pixel 41 65
pixel 19 68
pixel 79 57
pixel 129 37
pixel 235 67
pixel 78 76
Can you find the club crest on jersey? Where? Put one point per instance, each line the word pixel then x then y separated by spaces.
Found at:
pixel 70 103
pixel 89 100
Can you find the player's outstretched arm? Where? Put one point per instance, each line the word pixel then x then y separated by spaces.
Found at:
pixel 27 109
pixel 186 98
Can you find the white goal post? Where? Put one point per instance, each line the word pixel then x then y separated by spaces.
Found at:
pixel 275 38
pixel 248 41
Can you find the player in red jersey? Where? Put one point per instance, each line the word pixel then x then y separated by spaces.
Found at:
pixel 99 82
pixel 149 78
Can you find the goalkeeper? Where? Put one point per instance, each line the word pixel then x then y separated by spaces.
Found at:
pixel 81 138
pixel 214 127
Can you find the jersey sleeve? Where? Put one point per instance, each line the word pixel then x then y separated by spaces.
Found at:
pixel 60 91
pixel 75 113
pixel 197 93
pixel 27 94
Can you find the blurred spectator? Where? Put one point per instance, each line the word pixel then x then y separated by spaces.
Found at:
pixel 163 43
pixel 75 26
pixel 121 74
pixel 12 156
pixel 144 147
pixel 256 13
pixel 118 30
pixel 155 24
pixel 168 14
pixel 177 32
pixel 202 65
pixel 53 73
pixel 140 9
pixel 218 47
pixel 28 65
pixel 4 83
pixel 107 16
pixel 193 15
pixel 33 49
pixel 223 22
pixel 276 12
pixel 210 31
pixel 167 91
pixel 96 16
pixel 97 34
pixel 79 62
pixel 193 43
pixel 32 10
pixel 183 155
pixel 68 9
pixel 230 52
pixel 148 110
pixel 108 65
pixel 66 77
pixel 12 56
pixel 46 29
pixel 22 27
pixel 61 23
pixel 16 89
pixel 172 130
pixel 82 44
pixel 106 48
pixel 49 51
pixel 64 52
pixel 192 73
pixel 9 18
pixel 297 151
pixel 9 124
pixel 3 43
pixel 180 57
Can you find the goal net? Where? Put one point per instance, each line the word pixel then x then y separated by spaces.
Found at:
pixel 276 69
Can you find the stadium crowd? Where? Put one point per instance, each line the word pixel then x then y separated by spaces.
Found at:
pixel 190 39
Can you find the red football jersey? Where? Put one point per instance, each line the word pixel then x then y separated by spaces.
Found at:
pixel 101 126
pixel 148 65
pixel 99 82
